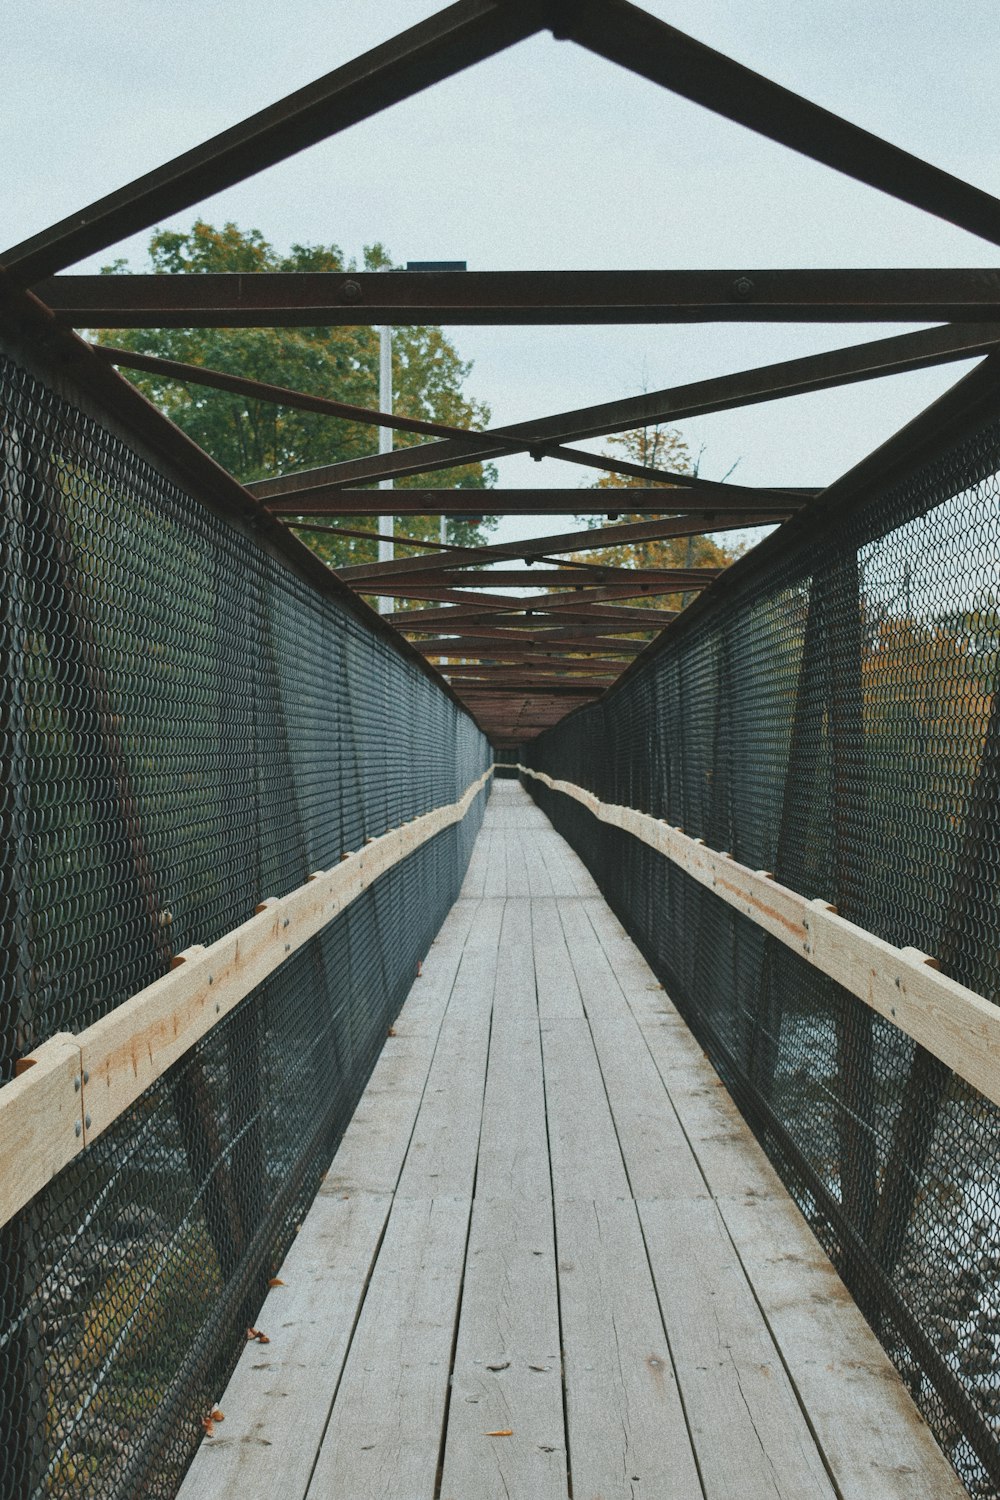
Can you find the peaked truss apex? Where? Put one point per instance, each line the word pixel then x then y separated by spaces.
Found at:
pixel 453 40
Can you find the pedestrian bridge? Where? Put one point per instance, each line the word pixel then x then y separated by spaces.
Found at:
pixel 519 1044
pixel 549 1258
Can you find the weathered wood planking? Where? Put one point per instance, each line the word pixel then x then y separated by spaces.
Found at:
pixel 557 989
pixel 285 1389
pixel 513 1149
pixel 708 1346
pixel 743 1412
pixel 628 1436
pixel 903 985
pixel 41 1121
pixel 583 1145
pixel 876 1444
pixel 508 1364
pixel 371 1154
pixel 384 1434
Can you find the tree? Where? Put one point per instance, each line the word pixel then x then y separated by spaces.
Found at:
pixel 256 439
pixel 655 447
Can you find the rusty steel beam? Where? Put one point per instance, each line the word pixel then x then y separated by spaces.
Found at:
pixel 624 34
pixel 501 646
pixel 658 579
pixel 533 615
pixel 556 690
pixel 562 637
pixel 690 495
pixel 544 437
pixel 259 390
pixel 275 299
pixel 557 662
pixel 279 395
pixel 536 548
pixel 435 49
pixel 572 598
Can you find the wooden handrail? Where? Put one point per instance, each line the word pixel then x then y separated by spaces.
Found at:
pixel 904 985
pixel 71 1088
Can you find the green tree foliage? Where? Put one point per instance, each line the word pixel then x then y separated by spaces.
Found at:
pixel 256 439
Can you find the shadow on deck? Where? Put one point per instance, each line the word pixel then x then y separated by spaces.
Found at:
pixel 549 1259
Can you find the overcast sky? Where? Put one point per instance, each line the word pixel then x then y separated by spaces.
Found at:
pixel 543 158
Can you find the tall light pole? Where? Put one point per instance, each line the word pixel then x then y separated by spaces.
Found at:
pixel 387 547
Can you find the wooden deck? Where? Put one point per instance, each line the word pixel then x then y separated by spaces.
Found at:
pixel 549 1260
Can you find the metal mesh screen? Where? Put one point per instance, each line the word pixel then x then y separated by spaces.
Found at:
pixel 833 717
pixel 187 727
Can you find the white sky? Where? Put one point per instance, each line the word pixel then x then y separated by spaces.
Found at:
pixel 543 158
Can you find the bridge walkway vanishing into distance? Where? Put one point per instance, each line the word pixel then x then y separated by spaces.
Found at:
pixel 561 1250
pixel 549 1258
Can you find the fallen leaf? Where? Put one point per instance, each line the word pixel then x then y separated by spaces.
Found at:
pixel 392 1031
pixel 502 1432
pixel 255 1333
pixel 217 1416
pixel 504 1366
pixel 419 968
pixel 275 1281
pixel 208 1425
pixel 542 1369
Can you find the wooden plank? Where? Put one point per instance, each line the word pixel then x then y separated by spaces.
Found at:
pixel 442 1153
pixel 746 1423
pixel 289 1386
pixel 553 852
pixel 517 868
pixel 371 1154
pixel 428 998
pixel 475 875
pixel 384 1434
pixel 600 991
pixel 640 986
pixel 514 991
pixel 513 1148
pixel 731 1161
pixel 583 1146
pixel 658 1158
pixel 41 1120
pixel 508 1366
pixel 538 877
pixel 558 991
pixel 495 882
pixel 873 1438
pixel 953 1023
pixel 627 1432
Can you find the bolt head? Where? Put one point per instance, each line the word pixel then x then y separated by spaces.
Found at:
pixel 743 287
pixel 350 291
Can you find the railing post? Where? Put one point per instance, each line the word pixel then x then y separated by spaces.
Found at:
pixel 22 1352
pixel 853 1021
pixel 971 909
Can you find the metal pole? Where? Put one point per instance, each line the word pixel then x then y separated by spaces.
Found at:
pixel 386 549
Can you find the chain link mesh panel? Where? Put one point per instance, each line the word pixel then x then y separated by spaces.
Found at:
pixel 187 727
pixel 833 717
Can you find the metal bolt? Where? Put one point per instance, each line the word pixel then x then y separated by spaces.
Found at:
pixel 86 1121
pixel 78 1128
pixel 76 1083
pixel 743 287
pixel 86 1076
pixel 350 291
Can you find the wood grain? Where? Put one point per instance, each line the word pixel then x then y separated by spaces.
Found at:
pixel 959 1027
